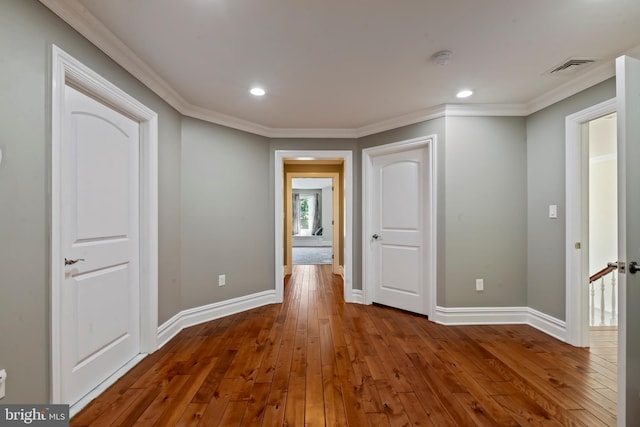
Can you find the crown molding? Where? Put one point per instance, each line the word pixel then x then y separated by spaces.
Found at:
pixel 225 120
pixel 584 81
pixel 444 110
pixel 78 17
pixel 589 78
pixel 313 133
pixel 485 110
pixel 400 121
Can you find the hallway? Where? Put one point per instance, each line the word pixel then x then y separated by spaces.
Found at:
pixel 315 360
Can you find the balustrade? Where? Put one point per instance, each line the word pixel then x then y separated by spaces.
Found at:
pixel 604 314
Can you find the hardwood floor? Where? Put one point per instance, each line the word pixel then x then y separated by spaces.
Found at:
pixel 604 352
pixel 604 343
pixel 315 361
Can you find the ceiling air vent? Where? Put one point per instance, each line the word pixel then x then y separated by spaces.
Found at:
pixel 570 66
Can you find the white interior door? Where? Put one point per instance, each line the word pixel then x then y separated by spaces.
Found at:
pixel 100 293
pixel 628 100
pixel 399 227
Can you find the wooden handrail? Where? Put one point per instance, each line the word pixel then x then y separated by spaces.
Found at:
pixel 608 269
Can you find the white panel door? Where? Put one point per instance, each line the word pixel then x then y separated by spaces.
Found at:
pixel 398 229
pixel 99 301
pixel 628 106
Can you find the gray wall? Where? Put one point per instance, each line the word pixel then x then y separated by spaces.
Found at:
pixel 485 212
pixel 27 30
pixel 546 186
pixel 481 163
pixel 227 213
pixel 490 183
pixel 427 128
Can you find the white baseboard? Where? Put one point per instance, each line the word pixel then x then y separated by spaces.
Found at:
pixel 205 313
pixel 550 325
pixel 357 296
pixel 443 315
pixel 341 271
pixel 501 315
pixel 88 398
pixel 480 315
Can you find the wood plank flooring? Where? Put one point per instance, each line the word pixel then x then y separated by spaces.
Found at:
pixel 604 342
pixel 316 361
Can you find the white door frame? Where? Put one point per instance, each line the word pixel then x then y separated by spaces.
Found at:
pixel 577 226
pixel 347 157
pixel 68 70
pixel 367 216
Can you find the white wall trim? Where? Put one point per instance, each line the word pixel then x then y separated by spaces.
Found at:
pixel 486 110
pixel 500 316
pixel 211 116
pixel 216 310
pixel 430 143
pixel 577 227
pixel 347 157
pixel 312 133
pixel 452 316
pixel 589 78
pixel 76 15
pixel 80 404
pixel 357 296
pixel 548 324
pixel 404 120
pixel 66 69
pixel 79 17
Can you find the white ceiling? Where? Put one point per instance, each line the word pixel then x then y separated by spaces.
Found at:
pixel 311 183
pixel 354 65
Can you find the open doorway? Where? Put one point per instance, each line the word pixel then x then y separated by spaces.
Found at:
pixel 582 269
pixel 591 236
pixel 312 221
pixel 603 241
pixel 310 230
pixel 603 223
pixel 339 166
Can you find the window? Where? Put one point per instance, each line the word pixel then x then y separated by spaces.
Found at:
pixel 306 207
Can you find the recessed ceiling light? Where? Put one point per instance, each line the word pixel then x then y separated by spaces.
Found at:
pixel 257 91
pixel 464 93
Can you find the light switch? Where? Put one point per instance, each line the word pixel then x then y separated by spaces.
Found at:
pixel 553 211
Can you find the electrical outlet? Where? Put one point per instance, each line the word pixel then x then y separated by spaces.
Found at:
pixel 3 380
pixel 222 280
pixel 479 285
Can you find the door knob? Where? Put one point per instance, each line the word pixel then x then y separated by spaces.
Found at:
pixel 375 237
pixel 72 261
pixel 634 267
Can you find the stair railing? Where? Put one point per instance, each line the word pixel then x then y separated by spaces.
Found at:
pixel 600 275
